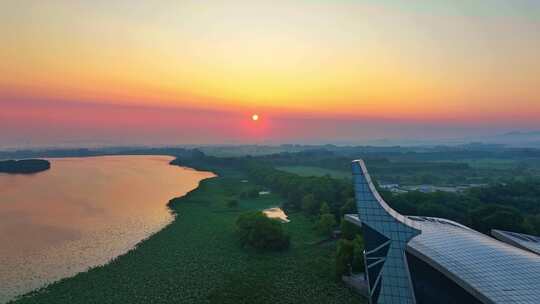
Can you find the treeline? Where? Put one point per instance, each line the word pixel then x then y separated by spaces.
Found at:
pixel 514 205
pixel 508 207
pixel 332 160
pixel 84 152
pixel 404 169
pixel 308 194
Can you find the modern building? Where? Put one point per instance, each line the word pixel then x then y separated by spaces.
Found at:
pixel 425 260
pixel 521 240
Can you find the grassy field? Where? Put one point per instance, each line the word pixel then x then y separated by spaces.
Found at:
pixel 197 259
pixel 488 163
pixel 315 171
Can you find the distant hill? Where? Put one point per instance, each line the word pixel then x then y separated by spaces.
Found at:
pixel 24 166
pixel 522 133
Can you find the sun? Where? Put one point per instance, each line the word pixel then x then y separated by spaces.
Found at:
pixel 255 117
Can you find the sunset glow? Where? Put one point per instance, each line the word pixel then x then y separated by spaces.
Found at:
pixel 415 63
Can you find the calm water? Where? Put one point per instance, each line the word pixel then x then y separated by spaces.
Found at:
pixel 276 213
pixel 81 213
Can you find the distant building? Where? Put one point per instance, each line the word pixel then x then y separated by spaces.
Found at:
pixel 389 186
pixel 415 259
pixel 431 188
pixel 393 188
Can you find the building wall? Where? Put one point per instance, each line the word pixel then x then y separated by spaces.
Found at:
pixel 386 234
pixel 431 286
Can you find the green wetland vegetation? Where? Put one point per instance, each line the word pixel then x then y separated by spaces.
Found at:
pixel 198 259
pixel 315 171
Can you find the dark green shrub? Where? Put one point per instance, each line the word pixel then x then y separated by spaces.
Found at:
pixel 344 256
pixel 232 203
pixel 255 229
pixel 310 205
pixel 324 208
pixel 349 257
pixel 326 224
pixel 252 192
pixel 349 230
pixel 358 255
pixel 327 221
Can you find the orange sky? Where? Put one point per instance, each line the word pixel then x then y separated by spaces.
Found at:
pixel 422 61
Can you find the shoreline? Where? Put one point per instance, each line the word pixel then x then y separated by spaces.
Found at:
pixel 197 259
pixel 170 208
pixel 11 297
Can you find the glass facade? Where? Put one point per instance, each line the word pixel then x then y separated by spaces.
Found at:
pixel 416 259
pixel 431 286
pixel 386 234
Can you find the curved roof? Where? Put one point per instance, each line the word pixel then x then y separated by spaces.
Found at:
pixel 521 240
pixel 493 271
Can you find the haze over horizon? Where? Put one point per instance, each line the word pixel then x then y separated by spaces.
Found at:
pixel 193 72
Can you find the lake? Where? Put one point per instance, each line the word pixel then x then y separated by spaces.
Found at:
pixel 81 213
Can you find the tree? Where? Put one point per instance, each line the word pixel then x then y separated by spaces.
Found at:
pixel 349 230
pixel 344 256
pixel 327 221
pixel 294 199
pixel 533 224
pixel 324 208
pixel 260 232
pixel 357 262
pixel 349 256
pixel 326 224
pixel 309 204
pixel 349 207
pixel 252 192
pixel 490 216
pixel 232 203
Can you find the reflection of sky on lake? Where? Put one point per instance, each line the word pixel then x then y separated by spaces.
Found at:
pixel 276 213
pixel 82 213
